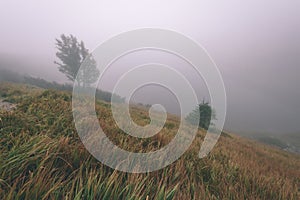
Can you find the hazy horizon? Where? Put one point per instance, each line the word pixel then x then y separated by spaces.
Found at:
pixel 255 44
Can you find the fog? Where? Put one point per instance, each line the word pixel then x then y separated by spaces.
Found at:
pixel 255 44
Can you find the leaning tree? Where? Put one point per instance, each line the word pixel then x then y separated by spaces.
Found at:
pixel 72 54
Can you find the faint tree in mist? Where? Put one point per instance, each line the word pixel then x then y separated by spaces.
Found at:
pixel 71 54
pixel 206 115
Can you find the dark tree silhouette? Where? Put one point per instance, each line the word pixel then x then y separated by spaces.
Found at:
pixel 71 54
pixel 206 115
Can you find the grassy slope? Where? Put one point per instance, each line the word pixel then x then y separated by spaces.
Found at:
pixel 41 157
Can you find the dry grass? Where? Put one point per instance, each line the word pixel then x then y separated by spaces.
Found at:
pixel 41 157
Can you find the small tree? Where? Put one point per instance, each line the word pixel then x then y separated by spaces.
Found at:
pixel 206 115
pixel 71 54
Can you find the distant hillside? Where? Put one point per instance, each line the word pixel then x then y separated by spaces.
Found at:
pixel 293 139
pixel 41 157
pixel 286 141
pixel 11 76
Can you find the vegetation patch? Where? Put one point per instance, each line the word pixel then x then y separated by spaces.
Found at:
pixel 41 157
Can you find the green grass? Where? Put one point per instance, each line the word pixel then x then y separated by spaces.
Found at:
pixel 41 157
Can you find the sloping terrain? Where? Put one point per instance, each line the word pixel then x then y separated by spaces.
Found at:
pixel 41 157
pixel 287 141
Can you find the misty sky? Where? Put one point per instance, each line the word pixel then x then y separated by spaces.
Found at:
pixel 255 44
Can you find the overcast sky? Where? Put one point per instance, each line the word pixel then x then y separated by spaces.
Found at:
pixel 255 44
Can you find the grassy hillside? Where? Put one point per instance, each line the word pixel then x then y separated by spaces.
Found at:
pixel 41 157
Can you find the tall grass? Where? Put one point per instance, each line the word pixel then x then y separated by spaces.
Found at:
pixel 41 157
